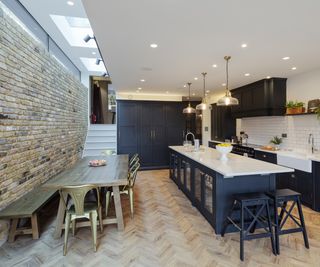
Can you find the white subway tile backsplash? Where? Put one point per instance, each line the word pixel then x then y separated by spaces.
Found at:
pixel 262 129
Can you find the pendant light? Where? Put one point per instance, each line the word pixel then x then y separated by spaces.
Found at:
pixel 189 109
pixel 204 105
pixel 227 100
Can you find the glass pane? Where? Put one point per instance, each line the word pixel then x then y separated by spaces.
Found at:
pixel 208 192
pixel 197 184
pixel 188 176
pixel 175 168
pixel 182 172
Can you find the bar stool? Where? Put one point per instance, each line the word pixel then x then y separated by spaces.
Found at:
pixel 254 211
pixel 280 198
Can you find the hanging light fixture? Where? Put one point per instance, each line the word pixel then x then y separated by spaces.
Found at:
pixel 227 100
pixel 203 105
pixel 189 109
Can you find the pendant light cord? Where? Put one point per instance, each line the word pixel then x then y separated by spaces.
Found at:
pixel 227 58
pixel 204 84
pixel 189 84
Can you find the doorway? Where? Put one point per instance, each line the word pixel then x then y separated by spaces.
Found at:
pixel 102 101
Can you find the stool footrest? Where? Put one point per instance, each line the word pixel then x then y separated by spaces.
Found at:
pixel 290 231
pixel 256 236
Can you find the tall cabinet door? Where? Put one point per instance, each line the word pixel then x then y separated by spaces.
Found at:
pixel 145 134
pixel 127 123
pixel 159 143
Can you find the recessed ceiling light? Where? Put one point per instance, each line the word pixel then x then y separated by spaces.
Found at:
pixel 208 91
pixel 153 45
pixel 286 58
pixel 93 53
pixel 268 77
pixel 223 84
pixel 167 92
pixel 215 66
pixel 139 88
pixel 294 68
pixel 142 80
pixel 247 74
pixel 70 3
pixel 185 86
pixel 196 78
pixel 244 45
pixel 193 94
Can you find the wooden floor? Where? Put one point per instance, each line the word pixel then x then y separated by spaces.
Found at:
pixel 166 231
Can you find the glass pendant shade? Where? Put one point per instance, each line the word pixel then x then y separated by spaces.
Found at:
pixel 189 109
pixel 203 105
pixel 227 100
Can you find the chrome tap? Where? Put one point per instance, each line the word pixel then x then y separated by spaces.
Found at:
pixel 188 134
pixel 311 142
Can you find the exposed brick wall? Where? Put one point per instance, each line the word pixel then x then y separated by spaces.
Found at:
pixel 43 113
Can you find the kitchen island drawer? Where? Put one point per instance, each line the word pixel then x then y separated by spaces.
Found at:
pixel 266 156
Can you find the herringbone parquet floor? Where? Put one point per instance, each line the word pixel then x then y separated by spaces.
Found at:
pixel 166 231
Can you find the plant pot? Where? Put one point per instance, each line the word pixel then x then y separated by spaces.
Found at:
pixel 299 110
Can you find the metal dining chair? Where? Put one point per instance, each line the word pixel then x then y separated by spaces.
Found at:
pixel 127 189
pixel 81 209
pixel 133 159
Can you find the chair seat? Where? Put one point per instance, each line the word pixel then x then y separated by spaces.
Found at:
pixel 283 193
pixel 250 197
pixel 88 207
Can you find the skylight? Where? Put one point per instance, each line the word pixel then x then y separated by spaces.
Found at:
pixel 74 29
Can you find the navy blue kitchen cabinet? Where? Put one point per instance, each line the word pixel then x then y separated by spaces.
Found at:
pixel 303 182
pixel 265 97
pixel 148 128
pixel 223 125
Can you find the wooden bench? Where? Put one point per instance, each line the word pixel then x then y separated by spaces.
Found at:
pixel 26 207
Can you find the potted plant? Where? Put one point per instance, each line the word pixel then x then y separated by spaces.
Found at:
pixel 317 111
pixel 295 107
pixel 276 141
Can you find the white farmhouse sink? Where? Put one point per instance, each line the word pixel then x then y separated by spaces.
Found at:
pixel 298 161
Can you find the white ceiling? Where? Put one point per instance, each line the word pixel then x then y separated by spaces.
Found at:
pixel 191 37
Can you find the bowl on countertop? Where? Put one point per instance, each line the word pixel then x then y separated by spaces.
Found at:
pixel 224 149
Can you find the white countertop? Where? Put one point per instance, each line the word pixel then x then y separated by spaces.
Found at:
pixel 286 152
pixel 235 166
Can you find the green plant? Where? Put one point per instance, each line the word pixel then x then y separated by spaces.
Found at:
pixel 296 104
pixel 276 140
pixel 290 104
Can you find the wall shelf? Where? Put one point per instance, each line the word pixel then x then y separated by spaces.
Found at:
pixel 300 114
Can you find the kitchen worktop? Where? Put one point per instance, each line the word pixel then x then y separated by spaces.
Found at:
pixel 235 166
pixel 286 152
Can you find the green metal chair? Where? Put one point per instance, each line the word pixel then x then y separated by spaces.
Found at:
pixel 81 209
pixel 127 189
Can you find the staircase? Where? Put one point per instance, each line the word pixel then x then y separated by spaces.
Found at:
pixel 101 137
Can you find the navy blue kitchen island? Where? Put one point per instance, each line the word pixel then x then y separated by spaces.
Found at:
pixel 210 183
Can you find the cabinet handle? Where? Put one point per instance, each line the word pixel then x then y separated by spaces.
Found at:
pixel 154 134
pixel 151 134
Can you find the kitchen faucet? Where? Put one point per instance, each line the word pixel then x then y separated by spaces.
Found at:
pixel 311 142
pixel 188 134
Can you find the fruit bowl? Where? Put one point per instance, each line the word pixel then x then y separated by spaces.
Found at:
pixel 224 150
pixel 97 163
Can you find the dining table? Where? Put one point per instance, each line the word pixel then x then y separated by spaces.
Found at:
pixel 114 174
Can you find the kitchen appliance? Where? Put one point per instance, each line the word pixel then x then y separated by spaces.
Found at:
pixel 313 105
pixel 247 151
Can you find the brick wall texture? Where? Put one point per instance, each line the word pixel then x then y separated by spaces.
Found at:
pixel 43 113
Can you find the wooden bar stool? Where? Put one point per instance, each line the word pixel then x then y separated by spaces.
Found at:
pixel 281 198
pixel 254 212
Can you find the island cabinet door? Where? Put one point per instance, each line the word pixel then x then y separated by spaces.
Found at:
pixel 174 167
pixel 187 178
pixel 198 178
pixel 208 203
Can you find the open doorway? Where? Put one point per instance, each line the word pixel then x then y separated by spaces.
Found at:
pixel 102 101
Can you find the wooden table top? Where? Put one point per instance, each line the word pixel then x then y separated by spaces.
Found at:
pixel 115 173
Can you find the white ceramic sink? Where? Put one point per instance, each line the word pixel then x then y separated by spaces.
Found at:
pixel 298 161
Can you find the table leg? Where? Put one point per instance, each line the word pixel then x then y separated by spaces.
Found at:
pixel 60 218
pixel 118 208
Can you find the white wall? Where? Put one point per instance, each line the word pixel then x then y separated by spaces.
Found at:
pixel 304 87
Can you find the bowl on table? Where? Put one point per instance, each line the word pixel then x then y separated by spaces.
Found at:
pixel 224 149
pixel 97 163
